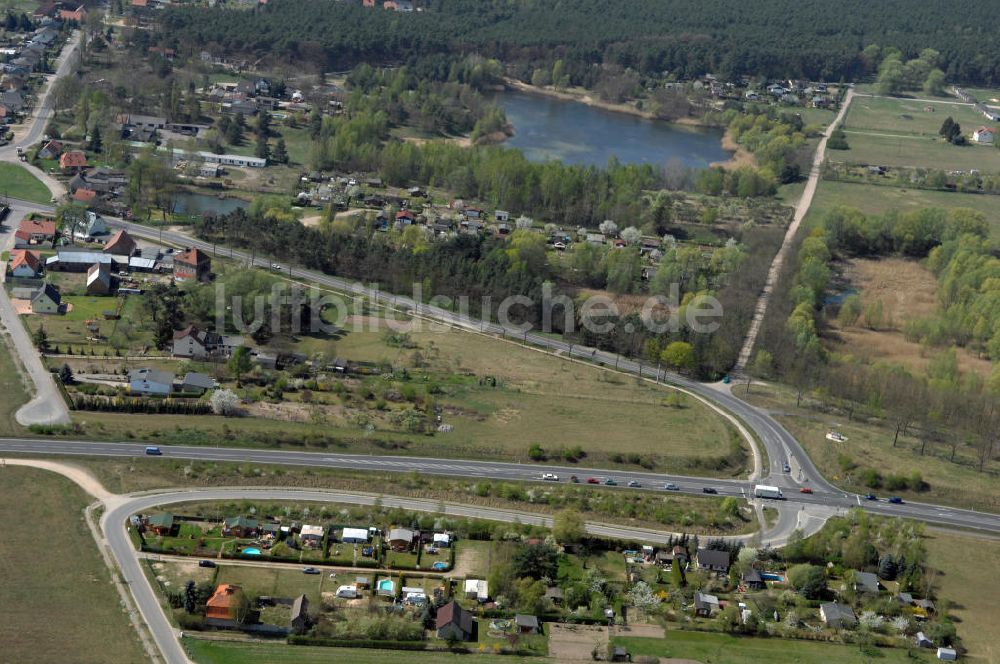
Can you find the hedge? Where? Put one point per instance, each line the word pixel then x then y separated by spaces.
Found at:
pixel 356 643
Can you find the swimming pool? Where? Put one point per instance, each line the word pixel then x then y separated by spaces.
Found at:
pixel 440 565
pixel 772 576
pixel 252 551
pixel 386 587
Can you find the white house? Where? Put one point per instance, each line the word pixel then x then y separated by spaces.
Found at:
pixel 150 381
pixel 311 533
pixel 984 135
pixel 442 540
pixel 93 226
pixel 347 592
pixel 477 589
pixel 46 301
pixel 355 536
pixel 25 263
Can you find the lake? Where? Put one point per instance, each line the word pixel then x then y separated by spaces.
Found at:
pixel 575 133
pixel 186 202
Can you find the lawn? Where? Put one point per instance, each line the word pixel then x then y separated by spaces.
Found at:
pixel 904 132
pixel 217 652
pixel 12 388
pixel 17 182
pixel 869 445
pixel 726 649
pixel 130 332
pixel 275 582
pixel 965 579
pixel 876 199
pixel 58 603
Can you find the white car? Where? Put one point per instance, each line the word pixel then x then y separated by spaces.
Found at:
pixel 550 477
pixel 275 266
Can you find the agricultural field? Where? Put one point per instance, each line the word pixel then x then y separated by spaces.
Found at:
pixel 960 562
pixel 728 649
pixel 13 388
pixel 221 652
pixel 65 580
pixel 869 446
pixel 904 132
pixel 17 182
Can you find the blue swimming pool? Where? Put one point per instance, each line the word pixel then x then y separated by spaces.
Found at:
pixel 771 576
pixel 252 551
pixel 440 565
pixel 386 587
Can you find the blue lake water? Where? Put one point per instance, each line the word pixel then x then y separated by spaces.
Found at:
pixel 575 133
pixel 189 203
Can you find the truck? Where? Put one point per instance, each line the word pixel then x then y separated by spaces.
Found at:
pixel 764 491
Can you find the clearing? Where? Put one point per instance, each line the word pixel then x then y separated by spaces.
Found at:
pixel 21 184
pixel 60 578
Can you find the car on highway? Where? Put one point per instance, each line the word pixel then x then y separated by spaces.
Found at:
pixel 593 480
pixel 634 484
pixel 276 266
pixel 805 489
pixel 670 486
pixel 611 482
pixel 153 451
pixel 550 477
pixel 787 468
pixel 206 563
pixel 871 496
pixel 574 479
pixel 708 489
pixel 896 500
pixel 310 570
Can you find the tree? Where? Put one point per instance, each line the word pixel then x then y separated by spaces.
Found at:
pixel 240 363
pixel 66 375
pixel 568 527
pixel 729 508
pixel 190 598
pixel 887 568
pixel 261 150
pixel 608 228
pixel 809 580
pixel 677 575
pixel 535 561
pixel 641 597
pixel 225 402
pixel 678 355
pixel 239 606
pixel 41 339
pixel 631 235
pixel 891 76
pixel 934 83
pixel 94 144
pixel 280 155
pixel 946 127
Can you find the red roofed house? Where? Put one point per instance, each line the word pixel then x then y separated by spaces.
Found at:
pixel 219 604
pixel 50 150
pixel 73 161
pixel 34 231
pixel 192 264
pixel 120 244
pixel 140 3
pixel 82 195
pixel 25 263
pixel 77 14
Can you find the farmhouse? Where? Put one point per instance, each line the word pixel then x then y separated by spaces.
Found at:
pixel 197 383
pixel 37 231
pixel 72 162
pixel 984 135
pixel 712 560
pixel 837 615
pixel 120 244
pixel 221 601
pixel 46 301
pixel 193 264
pixel 92 228
pixel 50 150
pixel 99 279
pixel 453 623
pixel 25 263
pixel 150 381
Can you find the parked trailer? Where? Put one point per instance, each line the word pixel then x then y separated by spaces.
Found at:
pixel 764 491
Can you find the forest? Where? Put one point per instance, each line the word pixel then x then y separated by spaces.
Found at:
pixel 685 38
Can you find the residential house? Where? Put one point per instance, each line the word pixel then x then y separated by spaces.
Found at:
pixel 526 624
pixel 12 101
pixel 866 582
pixel 50 150
pixel 99 279
pixel 503 216
pixel 76 259
pixel 354 536
pixel 221 601
pixel 837 615
pixel 906 599
pixel 705 605
pixel 25 263
pixel 441 540
pixel 922 641
pixel 240 526
pixel 299 620
pixel 401 539
pixel 554 594
pixel 947 654
pixel 311 534
pixel 162 524
pixel 93 227
pixel 120 244
pixel 477 589
pixel 985 135
pixel 453 623
pixel 192 265
pixel 78 14
pixel 150 381
pixel 46 300
pixel 753 580
pixel 197 383
pixel 38 231
pixel 200 344
pixel 73 161
pixel 925 605
pixel 85 196
pixel 712 561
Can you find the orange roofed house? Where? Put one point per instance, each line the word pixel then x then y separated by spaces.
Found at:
pixel 73 161
pixel 77 14
pixel 192 265
pixel 221 601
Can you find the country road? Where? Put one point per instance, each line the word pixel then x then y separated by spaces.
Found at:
pixel 801 209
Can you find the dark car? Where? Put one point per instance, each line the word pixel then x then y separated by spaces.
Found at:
pixel 311 570
pixel 871 496
pixel 206 563
pixel 709 489
pixel 896 500
pixel 611 481
pixel 574 479
pixel 787 468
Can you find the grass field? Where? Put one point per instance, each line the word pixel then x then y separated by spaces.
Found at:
pixel 17 182
pixel 726 649
pixel 216 652
pixel 276 582
pixel 57 603
pixel 964 580
pixel 876 199
pixel 904 132
pixel 12 388
pixel 869 445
